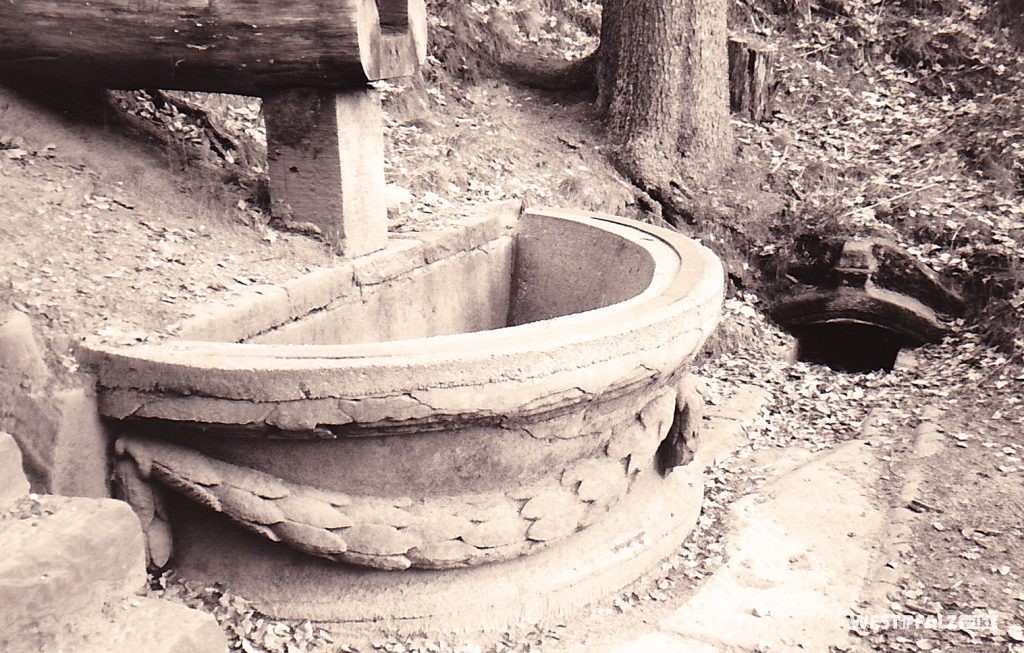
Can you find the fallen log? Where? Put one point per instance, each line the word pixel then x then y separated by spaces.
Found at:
pixel 237 46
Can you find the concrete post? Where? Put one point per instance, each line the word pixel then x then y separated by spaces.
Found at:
pixel 325 149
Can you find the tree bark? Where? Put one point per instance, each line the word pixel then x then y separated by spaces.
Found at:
pixel 663 86
pixel 751 78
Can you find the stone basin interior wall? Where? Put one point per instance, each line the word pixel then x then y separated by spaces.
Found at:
pixel 555 273
pixel 498 271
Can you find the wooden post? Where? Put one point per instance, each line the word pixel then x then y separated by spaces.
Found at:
pixel 325 151
pixel 751 78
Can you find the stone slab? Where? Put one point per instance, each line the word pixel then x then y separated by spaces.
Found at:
pixel 796 559
pixel 81 450
pixel 68 555
pixel 148 625
pixel 13 484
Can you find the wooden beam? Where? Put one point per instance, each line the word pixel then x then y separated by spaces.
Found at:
pixel 238 46
pixel 326 155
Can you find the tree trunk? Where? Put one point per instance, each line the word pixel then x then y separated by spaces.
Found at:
pixel 663 85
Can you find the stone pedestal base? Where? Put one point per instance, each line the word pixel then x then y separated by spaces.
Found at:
pixel 645 528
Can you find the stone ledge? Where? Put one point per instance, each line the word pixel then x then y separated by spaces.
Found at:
pixel 259 309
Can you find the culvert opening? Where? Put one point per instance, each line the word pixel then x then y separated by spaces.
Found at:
pixel 850 346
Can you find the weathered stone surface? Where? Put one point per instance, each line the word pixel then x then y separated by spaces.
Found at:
pixel 215 411
pixel 453 391
pixel 400 257
pixel 63 443
pixel 439 525
pixel 876 282
pixel 596 470
pixel 603 483
pixel 159 542
pixel 14 485
pixel 257 309
pixel 488 506
pixel 311 539
pixel 249 507
pixel 379 540
pixel 626 440
pixel 557 526
pixel 336 499
pixel 154 626
pixel 179 461
pixel 568 425
pixel 659 414
pixel 81 445
pixel 390 563
pixel 595 512
pixel 378 511
pixel 200 493
pixel 319 288
pixel 258 483
pixel 496 532
pixel 312 512
pixel 551 503
pixel 442 554
pixel 475 286
pixel 21 359
pixel 135 490
pixel 326 158
pixel 72 554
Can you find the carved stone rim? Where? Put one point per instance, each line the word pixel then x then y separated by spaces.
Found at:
pixel 534 366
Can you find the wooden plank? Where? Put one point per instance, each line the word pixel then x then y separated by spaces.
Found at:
pixel 325 150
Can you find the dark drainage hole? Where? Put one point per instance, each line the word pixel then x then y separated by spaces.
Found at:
pixel 850 347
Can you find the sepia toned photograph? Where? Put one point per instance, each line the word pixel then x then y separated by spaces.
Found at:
pixel 552 326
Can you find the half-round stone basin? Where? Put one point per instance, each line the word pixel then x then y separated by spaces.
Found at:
pixel 527 395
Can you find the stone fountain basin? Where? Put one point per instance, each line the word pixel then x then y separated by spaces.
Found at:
pixel 455 400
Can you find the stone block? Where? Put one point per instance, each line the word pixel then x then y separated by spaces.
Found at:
pixel 400 257
pixel 67 555
pixel 257 309
pixel 155 626
pixel 14 485
pixel 318 289
pixel 63 442
pixel 81 446
pixel 325 150
pixel 21 359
